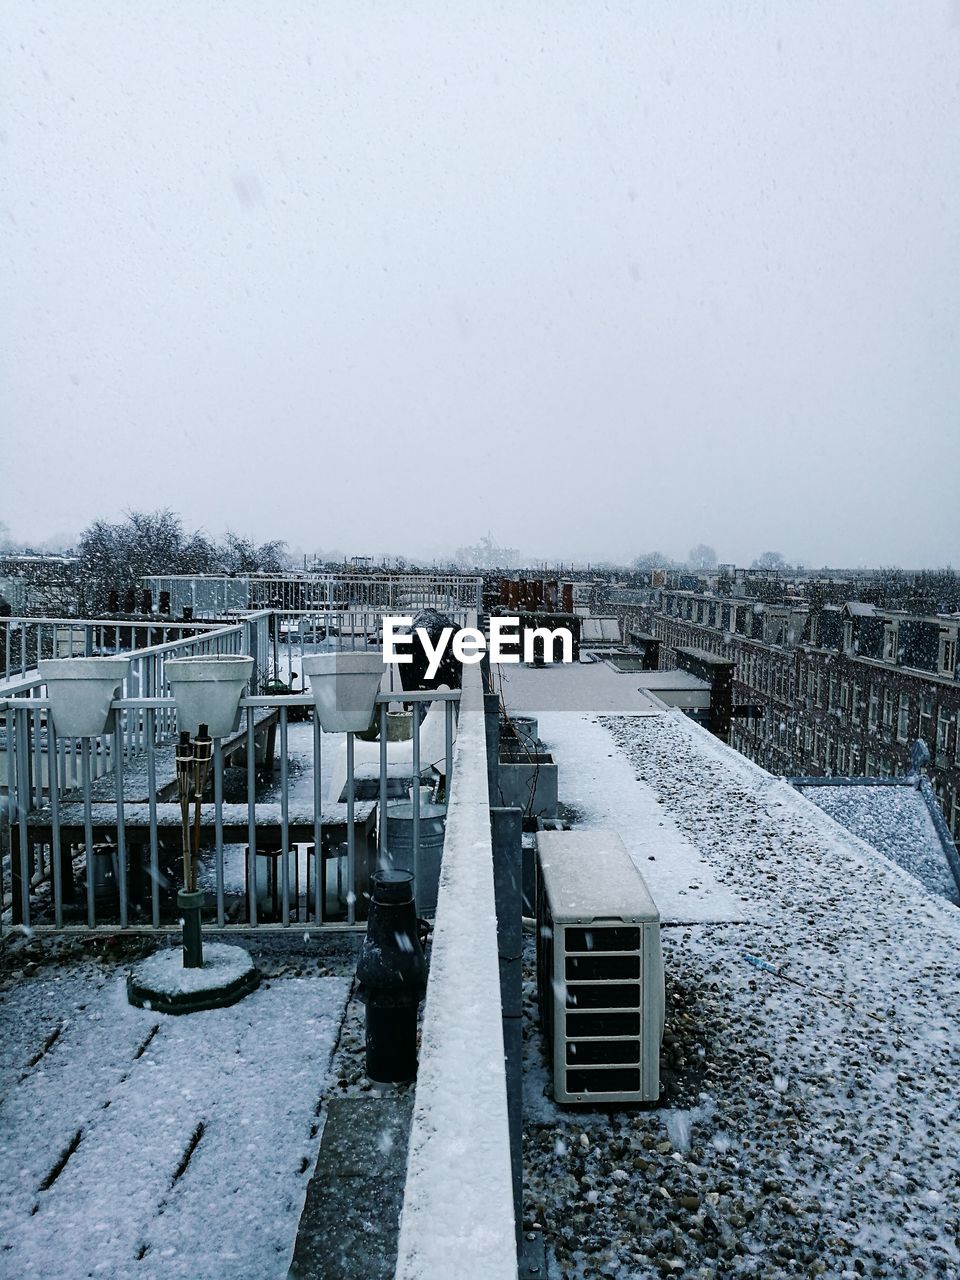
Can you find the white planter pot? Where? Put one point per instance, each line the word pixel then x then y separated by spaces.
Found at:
pixel 80 692
pixel 207 689
pixel 344 688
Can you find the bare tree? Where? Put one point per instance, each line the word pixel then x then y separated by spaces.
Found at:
pixel 770 560
pixel 653 560
pixel 114 557
pixel 240 555
pixel 702 557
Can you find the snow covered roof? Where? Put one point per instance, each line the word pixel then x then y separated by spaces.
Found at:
pixel 897 822
pixel 670 680
pixel 857 609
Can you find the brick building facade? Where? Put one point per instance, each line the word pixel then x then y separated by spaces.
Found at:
pixel 843 690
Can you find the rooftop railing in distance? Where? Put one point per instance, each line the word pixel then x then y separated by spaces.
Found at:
pixel 297 632
pixel 214 596
pixel 24 641
pixel 458 1209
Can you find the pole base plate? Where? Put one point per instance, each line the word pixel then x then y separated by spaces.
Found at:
pixel 161 982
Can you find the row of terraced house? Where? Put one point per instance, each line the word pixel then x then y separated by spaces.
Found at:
pixel 844 690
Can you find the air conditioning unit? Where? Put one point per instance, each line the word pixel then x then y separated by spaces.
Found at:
pixel 599 969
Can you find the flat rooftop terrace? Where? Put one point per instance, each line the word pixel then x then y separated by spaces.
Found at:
pixel 580 686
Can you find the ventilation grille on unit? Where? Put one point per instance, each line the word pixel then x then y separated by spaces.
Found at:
pixel 599 968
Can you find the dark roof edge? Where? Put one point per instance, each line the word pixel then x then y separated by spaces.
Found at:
pixel 943 831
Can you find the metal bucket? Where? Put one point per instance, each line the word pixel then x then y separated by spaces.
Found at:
pixel 399 726
pixel 106 876
pixel 399 849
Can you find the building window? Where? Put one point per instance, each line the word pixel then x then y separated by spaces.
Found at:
pixel 844 694
pixel 903 719
pixel 888 709
pixel 943 730
pixel 889 644
pixel 874 707
pixel 842 759
pixel 856 706
pixel 948 655
pixel 926 719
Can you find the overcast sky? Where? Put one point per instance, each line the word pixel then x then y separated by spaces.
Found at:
pixel 595 278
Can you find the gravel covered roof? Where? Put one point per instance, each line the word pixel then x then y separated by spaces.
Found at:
pixel 897 822
pixel 809 1111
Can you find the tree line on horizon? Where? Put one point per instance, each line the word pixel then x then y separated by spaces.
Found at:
pixel 115 556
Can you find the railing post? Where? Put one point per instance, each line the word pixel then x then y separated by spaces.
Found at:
pixel 20 867
pixel 506 834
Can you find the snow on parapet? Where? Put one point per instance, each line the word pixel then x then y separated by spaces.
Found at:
pixel 457 1215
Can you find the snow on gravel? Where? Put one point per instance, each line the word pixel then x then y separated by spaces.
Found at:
pixel 796 1135
pixel 599 783
pixel 136 1144
pixel 897 822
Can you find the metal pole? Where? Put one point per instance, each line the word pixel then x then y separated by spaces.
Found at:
pixel 317 823
pixel 285 825
pixel 351 838
pixel 121 829
pixel 151 730
pixel 382 854
pixel 416 799
pixel 37 762
pixel 218 824
pixel 251 818
pixel 54 780
pixel 88 828
pixel 448 745
pixel 22 809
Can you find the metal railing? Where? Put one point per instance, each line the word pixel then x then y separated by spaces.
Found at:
pixel 69 825
pixel 146 678
pixel 24 640
pixel 296 631
pixel 390 593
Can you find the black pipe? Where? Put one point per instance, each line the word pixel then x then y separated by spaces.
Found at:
pixel 392 973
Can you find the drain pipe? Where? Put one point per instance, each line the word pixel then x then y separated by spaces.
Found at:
pixel 392 976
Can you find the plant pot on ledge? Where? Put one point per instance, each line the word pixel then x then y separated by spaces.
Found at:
pixel 207 689
pixel 344 688
pixel 80 692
